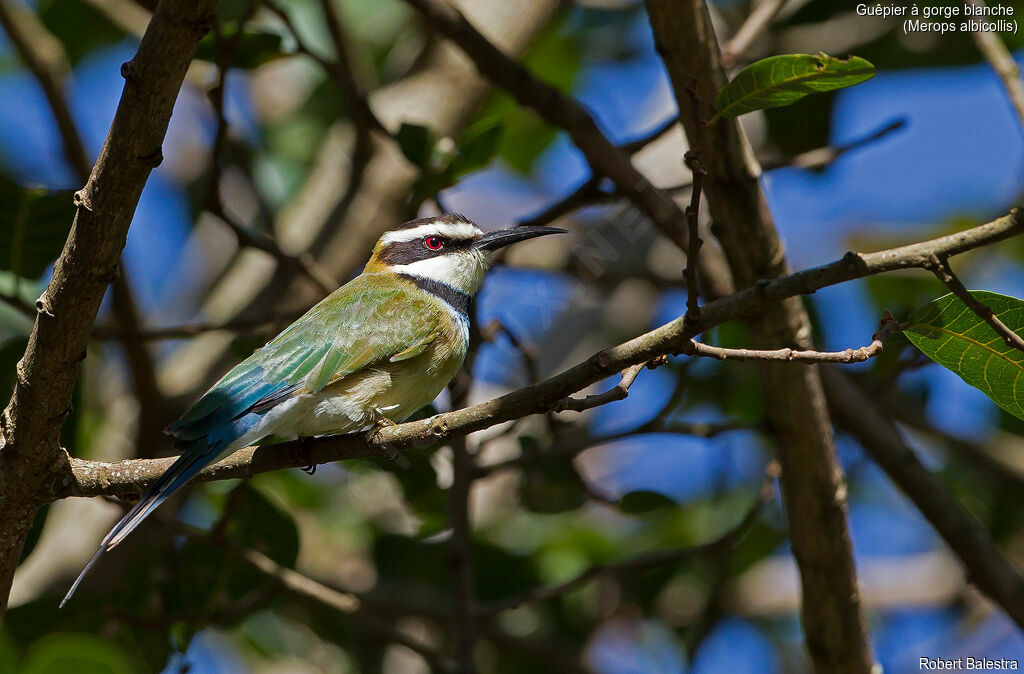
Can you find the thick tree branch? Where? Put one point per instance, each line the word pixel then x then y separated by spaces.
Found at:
pixel 49 73
pixel 812 480
pixel 94 478
pixel 46 375
pixel 986 567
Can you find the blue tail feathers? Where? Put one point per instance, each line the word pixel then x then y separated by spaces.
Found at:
pixel 222 416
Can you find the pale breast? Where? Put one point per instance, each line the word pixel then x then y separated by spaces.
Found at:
pixel 392 390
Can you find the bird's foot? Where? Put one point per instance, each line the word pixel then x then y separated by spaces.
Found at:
pixel 379 422
pixel 309 470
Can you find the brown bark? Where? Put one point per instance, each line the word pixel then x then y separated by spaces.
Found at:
pixel 30 453
pixel 814 490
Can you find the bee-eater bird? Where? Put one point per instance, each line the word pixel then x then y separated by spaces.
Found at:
pixel 375 350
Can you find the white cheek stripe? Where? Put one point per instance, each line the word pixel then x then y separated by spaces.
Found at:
pixel 460 270
pixel 461 230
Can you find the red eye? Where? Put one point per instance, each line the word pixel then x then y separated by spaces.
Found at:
pixel 433 242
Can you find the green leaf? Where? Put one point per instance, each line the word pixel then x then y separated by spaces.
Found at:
pixel 478 146
pixel 952 335
pixel 34 224
pixel 57 653
pixel 416 142
pixel 255 47
pixel 783 80
pixel 79 27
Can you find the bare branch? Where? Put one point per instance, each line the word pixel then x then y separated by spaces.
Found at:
pixel 758 21
pixel 344 602
pixel 940 267
pixel 694 242
pixel 822 157
pixel 304 265
pixel 19 304
pixel 618 392
pixel 49 75
pixel 634 146
pixel 999 57
pixel 889 327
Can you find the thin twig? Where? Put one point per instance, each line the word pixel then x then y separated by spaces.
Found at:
pixel 634 146
pixel 999 57
pixel 757 22
pixel 889 326
pixel 21 305
pixel 618 392
pixel 647 560
pixel 529 352
pixel 823 157
pixel 939 265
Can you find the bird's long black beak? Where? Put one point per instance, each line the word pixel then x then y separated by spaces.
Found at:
pixel 500 238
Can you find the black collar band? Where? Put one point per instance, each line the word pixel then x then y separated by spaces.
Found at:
pixel 456 299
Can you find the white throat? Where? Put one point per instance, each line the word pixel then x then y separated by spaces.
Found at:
pixel 463 270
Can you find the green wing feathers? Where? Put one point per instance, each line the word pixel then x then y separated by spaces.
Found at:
pixel 369 320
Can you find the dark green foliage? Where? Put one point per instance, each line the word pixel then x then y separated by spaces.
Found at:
pixel 255 47
pixel 34 223
pixel 80 27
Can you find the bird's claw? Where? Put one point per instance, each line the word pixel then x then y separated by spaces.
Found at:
pixel 379 422
pixel 309 470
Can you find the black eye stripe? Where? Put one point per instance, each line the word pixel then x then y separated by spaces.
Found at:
pixel 407 252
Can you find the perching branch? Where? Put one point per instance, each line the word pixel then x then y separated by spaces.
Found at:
pixel 93 478
pixel 940 267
